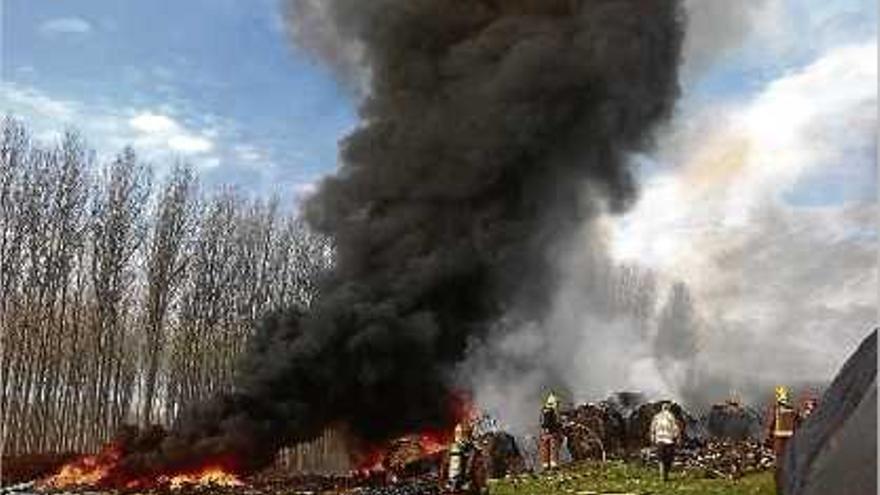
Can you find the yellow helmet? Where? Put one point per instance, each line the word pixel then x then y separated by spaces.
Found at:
pixel 552 401
pixel 781 394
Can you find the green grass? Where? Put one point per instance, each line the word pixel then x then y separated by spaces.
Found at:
pixel 619 477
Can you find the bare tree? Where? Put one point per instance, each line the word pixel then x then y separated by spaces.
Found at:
pixel 14 164
pixel 14 152
pixel 166 263
pixel 117 232
pixel 201 333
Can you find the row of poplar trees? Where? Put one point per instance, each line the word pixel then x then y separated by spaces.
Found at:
pixel 124 295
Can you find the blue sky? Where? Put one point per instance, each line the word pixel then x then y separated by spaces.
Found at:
pixel 217 82
pixel 223 70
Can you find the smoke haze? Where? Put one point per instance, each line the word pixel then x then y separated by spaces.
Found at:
pixel 717 27
pixel 752 270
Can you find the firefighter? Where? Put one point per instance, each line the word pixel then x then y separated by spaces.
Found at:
pixel 665 433
pixel 780 428
pixel 551 432
pixel 462 456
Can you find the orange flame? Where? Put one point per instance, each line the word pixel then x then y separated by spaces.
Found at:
pixel 428 442
pixel 211 476
pixel 86 471
pixel 101 470
pixel 432 443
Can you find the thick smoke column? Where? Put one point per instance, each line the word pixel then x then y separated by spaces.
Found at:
pixel 484 124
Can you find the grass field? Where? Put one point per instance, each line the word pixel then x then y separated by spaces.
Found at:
pixel 619 477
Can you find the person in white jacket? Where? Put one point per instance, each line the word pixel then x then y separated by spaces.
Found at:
pixel 665 433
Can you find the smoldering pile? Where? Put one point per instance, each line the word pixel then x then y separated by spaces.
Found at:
pixel 594 431
pixel 729 443
pixel 615 428
pixel 725 442
pixel 499 454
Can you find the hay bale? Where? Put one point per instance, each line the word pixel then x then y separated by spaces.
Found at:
pixel 733 421
pixel 501 453
pixel 593 431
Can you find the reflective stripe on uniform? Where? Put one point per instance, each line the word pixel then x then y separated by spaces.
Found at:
pixel 454 466
pixel 784 427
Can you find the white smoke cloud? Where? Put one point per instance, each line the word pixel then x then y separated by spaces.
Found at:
pixel 780 273
pixel 597 339
pixel 781 269
pixel 803 127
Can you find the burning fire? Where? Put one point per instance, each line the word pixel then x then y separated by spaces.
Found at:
pixel 404 449
pixel 396 454
pixel 87 471
pixel 101 470
pixel 212 476
pixel 432 443
pixel 107 469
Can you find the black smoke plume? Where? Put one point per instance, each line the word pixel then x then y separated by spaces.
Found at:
pixel 490 130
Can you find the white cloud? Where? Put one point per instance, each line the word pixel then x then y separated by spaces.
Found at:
pixel 153 123
pixel 154 132
pixel 249 153
pixel 160 134
pixel 210 162
pixel 162 130
pixel 64 26
pixel 190 144
pixel 16 98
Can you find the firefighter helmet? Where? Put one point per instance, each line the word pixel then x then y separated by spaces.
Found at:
pixel 781 395
pixel 552 401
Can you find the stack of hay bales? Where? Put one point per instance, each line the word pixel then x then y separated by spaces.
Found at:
pixel 594 431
